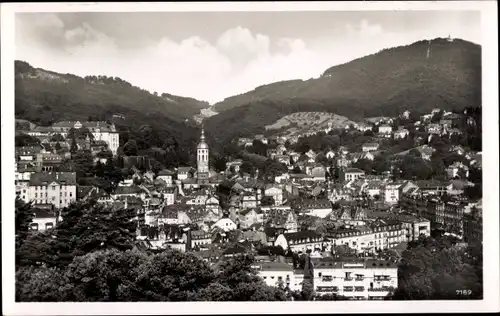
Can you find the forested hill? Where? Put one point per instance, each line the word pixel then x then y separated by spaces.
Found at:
pixel 44 96
pixel 156 126
pixel 385 82
pixel 382 84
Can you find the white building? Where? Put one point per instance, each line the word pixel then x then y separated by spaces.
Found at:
pixel 225 224
pixel 44 219
pixel 276 193
pixel 100 130
pixel 401 133
pixel 385 129
pixel 392 192
pixel 300 241
pixel 370 147
pixel 56 188
pixel 167 176
pixel 370 279
pixel 276 274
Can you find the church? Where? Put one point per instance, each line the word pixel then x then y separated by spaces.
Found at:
pixel 202 166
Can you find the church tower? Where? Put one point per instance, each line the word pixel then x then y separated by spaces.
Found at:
pixel 202 160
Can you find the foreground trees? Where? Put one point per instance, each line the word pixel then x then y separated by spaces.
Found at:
pixel 90 256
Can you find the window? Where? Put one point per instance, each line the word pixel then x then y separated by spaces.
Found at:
pixel 70 194
pixel 319 274
pixel 348 276
pixel 54 188
pixel 49 225
pixel 36 195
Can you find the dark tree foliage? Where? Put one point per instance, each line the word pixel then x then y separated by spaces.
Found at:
pixel 26 140
pixel 436 269
pixel 96 226
pixel 24 214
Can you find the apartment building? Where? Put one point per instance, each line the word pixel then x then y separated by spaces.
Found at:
pixel 56 188
pixel 356 279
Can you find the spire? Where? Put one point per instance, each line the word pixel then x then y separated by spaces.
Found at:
pixel 202 138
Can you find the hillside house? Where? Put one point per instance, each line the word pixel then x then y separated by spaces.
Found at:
pixel 167 176
pixel 401 133
pixel 385 130
pixel 367 147
pixel 349 174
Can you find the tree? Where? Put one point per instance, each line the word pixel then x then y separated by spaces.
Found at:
pixel 97 227
pixel 267 201
pixel 58 146
pixel 130 148
pixel 83 164
pixel 24 215
pixel 435 269
pixel 74 148
pixel 57 138
pixel 26 140
pixel 247 167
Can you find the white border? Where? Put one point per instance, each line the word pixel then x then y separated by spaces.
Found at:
pixel 490 164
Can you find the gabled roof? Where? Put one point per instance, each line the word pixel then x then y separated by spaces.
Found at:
pixel 62 178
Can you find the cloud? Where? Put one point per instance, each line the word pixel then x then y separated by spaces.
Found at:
pixel 236 61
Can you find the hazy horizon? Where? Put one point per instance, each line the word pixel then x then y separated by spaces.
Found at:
pixel 213 55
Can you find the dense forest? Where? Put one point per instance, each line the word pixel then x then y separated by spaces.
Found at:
pixel 383 84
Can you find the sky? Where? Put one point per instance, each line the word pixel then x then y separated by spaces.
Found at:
pixel 213 55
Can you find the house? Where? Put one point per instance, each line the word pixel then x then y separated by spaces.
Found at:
pixel 244 141
pixel 45 218
pixel 406 115
pixel 401 133
pixel 285 159
pixel 367 147
pixel 184 173
pixel 370 238
pixel 56 188
pixel 300 241
pixel 282 177
pixel 276 193
pixel 199 239
pixel 349 174
pixel 282 219
pixel 385 129
pixel 170 195
pixel 434 129
pixel 250 217
pixel 276 274
pixel 457 170
pixel 330 154
pixel 393 192
pixel 225 224
pixel 314 207
pixel 415 226
pixel 234 165
pixel 370 279
pixel 458 150
pixel 167 176
pixel 311 154
pixel 262 138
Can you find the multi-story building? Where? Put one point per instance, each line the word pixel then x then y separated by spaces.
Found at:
pixel 102 131
pixel 415 227
pixel 369 238
pixel 276 274
pixel 349 174
pixel 357 279
pixel 56 188
pixel 300 241
pixel 473 225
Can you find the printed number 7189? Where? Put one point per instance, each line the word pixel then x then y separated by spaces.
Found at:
pixel 464 292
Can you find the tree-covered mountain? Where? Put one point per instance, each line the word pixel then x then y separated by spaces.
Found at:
pixel 44 96
pixel 155 123
pixel 417 77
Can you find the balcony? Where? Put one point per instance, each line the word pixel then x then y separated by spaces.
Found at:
pixel 359 289
pixel 348 289
pixel 381 289
pixel 348 279
pixel 359 279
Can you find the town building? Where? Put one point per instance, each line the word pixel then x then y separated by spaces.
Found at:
pixel 367 147
pixel 356 279
pixel 56 188
pixel 349 174
pixel 277 274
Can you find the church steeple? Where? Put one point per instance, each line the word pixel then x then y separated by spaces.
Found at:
pixel 202 159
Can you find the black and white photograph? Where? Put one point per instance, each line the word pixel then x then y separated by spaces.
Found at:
pixel 314 154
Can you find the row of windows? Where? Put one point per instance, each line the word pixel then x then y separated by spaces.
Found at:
pixel 34 226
